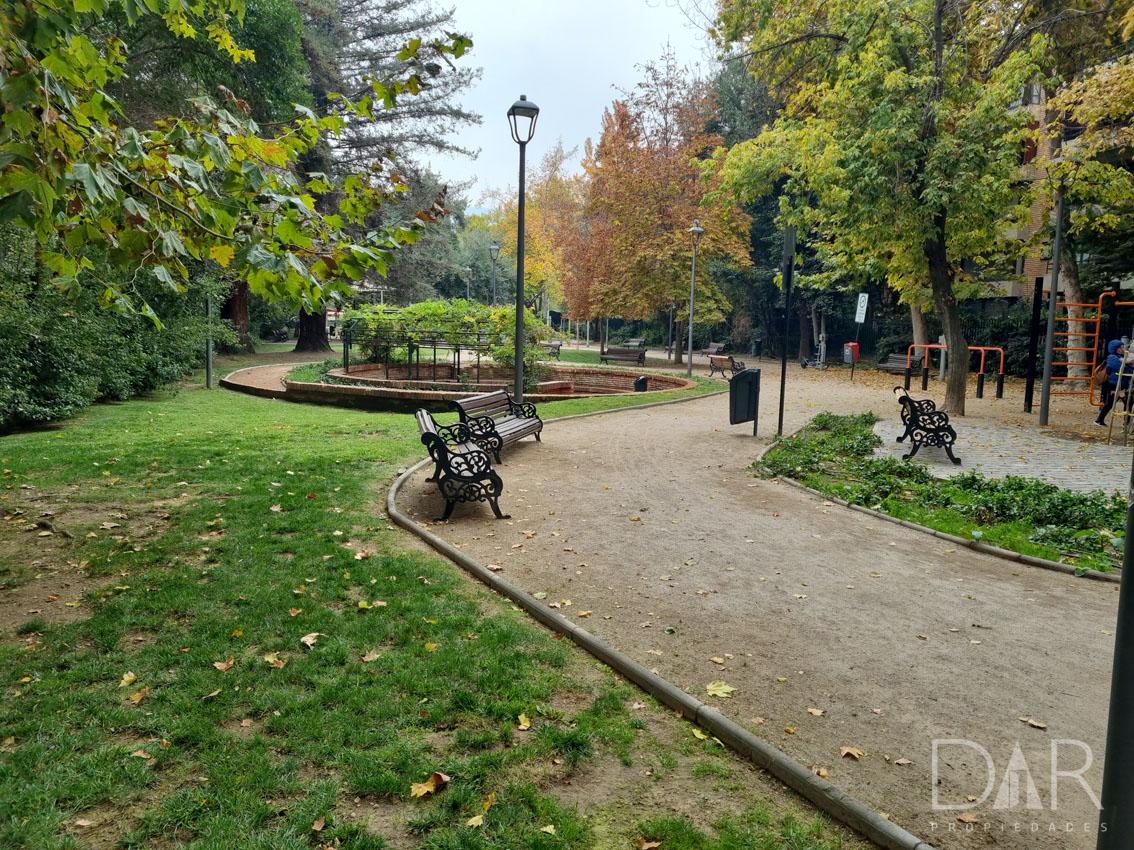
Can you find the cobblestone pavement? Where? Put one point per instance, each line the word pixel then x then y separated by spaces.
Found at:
pixel 999 450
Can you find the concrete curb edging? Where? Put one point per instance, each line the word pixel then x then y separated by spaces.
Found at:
pixel 825 796
pixel 976 545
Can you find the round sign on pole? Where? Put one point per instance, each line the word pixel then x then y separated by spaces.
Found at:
pixel 860 313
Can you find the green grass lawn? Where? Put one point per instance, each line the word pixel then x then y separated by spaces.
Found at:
pixel 579 355
pixel 248 656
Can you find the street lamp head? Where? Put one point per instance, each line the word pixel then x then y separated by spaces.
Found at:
pixel 522 117
pixel 494 250
pixel 696 229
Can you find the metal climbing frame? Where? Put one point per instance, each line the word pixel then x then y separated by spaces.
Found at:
pixel 1083 333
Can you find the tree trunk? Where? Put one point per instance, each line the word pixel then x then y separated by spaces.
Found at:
pixel 1069 284
pixel 917 324
pixel 945 300
pixel 815 325
pixel 804 349
pixel 235 311
pixel 602 336
pixel 312 332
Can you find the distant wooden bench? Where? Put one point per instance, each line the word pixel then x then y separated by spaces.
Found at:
pixel 552 348
pixel 636 342
pixel 462 469
pixel 624 355
pixel 496 421
pixel 895 364
pixel 713 348
pixel 925 425
pixel 721 362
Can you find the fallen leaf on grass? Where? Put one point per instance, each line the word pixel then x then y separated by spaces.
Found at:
pixel 720 689
pixel 434 783
pixel 273 660
pixel 699 735
pixel 83 823
pixel 318 825
pixel 372 655
pixel 142 754
pixel 128 678
pixel 225 666
pixel 475 821
pixel 431 647
pixel 138 696
pixel 309 640
pixel 211 694
pixel 523 723
pixel 851 753
pixel 549 829
pixel 643 844
pixel 295 612
pixel 276 508
pixel 246 723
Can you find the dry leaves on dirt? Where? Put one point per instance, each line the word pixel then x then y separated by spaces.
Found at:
pixel 851 753
pixel 720 689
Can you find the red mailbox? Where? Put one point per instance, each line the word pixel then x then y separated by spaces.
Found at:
pixel 850 352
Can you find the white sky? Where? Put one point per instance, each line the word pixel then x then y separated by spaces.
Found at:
pixel 568 56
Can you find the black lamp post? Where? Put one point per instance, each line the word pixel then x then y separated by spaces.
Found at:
pixel 696 230
pixel 522 117
pixel 494 253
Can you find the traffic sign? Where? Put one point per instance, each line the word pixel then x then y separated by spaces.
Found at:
pixel 860 313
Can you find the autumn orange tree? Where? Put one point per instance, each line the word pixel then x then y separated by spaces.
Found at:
pixel 630 253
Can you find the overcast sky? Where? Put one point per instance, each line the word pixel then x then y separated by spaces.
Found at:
pixel 568 56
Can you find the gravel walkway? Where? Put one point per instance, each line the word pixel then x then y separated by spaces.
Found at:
pixel 836 629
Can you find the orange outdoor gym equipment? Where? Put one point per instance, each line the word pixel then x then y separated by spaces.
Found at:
pixel 983 349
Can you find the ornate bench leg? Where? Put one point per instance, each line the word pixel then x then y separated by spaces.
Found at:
pixel 949 451
pixel 436 473
pixel 449 505
pixel 912 452
pixel 537 437
pixel 496 509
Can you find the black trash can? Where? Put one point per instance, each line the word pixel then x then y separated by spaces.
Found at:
pixel 744 398
pixel 640 384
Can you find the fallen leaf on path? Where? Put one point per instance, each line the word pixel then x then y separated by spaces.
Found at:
pixel 816 712
pixel 720 689
pixel 434 783
pixel 967 817
pixel 495 568
pixel 83 823
pixel 851 753
pixel 584 614
pixel 790 730
pixel 716 659
pixel 902 762
pixel 1031 721
pixel 822 773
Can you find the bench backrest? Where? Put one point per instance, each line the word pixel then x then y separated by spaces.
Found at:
pixel 494 404
pixel 636 343
pixel 630 353
pixel 721 359
pixel 425 422
pixel 715 347
pixel 552 344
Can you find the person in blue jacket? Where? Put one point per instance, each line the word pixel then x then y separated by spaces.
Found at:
pixel 1115 353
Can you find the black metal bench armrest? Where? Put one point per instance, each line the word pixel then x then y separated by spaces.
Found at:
pixel 480 426
pixel 458 432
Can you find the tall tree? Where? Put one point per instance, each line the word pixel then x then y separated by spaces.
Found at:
pixel 900 141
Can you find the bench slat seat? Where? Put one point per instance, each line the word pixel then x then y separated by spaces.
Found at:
pixel 721 362
pixel 552 348
pixel 461 468
pixel 895 364
pixel 494 420
pixel 624 355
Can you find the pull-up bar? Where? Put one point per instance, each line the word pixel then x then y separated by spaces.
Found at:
pixel 983 349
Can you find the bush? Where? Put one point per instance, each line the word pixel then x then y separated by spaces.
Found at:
pixel 59 354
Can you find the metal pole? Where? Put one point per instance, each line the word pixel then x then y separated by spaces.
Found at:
pixel 692 286
pixel 788 269
pixel 669 338
pixel 1049 342
pixel 494 283
pixel 208 342
pixel 1033 345
pixel 518 386
pixel 1116 818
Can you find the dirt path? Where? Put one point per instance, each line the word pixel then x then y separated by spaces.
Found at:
pixel 651 521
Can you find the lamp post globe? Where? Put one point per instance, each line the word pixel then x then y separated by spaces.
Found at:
pixel 522 117
pixel 494 253
pixel 695 231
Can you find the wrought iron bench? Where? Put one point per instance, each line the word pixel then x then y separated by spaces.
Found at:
pixel 624 355
pixel 495 421
pixel 925 425
pixel 712 348
pixel 636 342
pixel 721 362
pixel 895 364
pixel 462 469
pixel 552 348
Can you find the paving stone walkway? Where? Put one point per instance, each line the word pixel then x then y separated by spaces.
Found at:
pixel 1001 450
